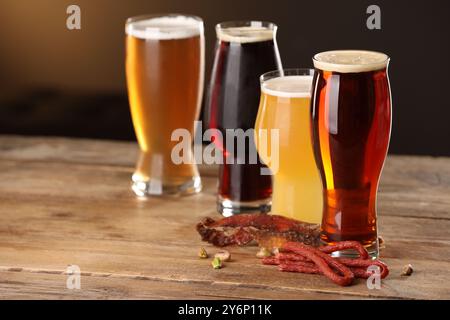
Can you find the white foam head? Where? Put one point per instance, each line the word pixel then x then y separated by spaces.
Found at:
pixel 255 31
pixel 346 61
pixel 164 28
pixel 288 86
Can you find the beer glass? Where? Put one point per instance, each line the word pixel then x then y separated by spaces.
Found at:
pixel 351 125
pixel 244 51
pixel 164 69
pixel 284 108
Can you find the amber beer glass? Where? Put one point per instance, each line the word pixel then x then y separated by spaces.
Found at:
pixel 351 125
pixel 244 51
pixel 164 68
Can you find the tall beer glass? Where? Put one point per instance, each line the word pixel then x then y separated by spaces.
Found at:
pixel 284 107
pixel 351 112
pixel 164 68
pixel 244 51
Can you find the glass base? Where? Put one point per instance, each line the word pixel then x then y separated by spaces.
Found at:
pixel 228 208
pixel 372 249
pixel 154 187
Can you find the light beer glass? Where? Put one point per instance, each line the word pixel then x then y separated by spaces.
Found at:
pixel 284 106
pixel 164 69
pixel 351 112
pixel 244 51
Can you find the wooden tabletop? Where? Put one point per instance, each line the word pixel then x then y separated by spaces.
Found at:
pixel 68 202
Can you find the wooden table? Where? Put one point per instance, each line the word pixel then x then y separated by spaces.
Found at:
pixel 68 202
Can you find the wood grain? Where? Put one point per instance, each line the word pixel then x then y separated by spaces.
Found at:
pixel 66 201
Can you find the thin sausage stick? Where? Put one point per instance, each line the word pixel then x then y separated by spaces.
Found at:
pixel 324 263
pixel 345 245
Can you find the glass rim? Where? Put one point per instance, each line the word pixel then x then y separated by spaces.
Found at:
pixel 302 85
pixel 262 31
pixel 342 67
pixel 143 17
pixel 246 23
pixel 182 29
pixel 285 73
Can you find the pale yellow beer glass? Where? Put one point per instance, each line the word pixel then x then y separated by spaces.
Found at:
pixel 285 106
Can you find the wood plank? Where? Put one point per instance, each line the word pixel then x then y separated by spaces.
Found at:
pixel 429 281
pixel 68 202
pixel 42 285
pixel 82 151
pixel 100 191
pixel 417 186
pixel 121 238
pixel 143 221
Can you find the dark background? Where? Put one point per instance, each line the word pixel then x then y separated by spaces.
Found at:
pixel 55 81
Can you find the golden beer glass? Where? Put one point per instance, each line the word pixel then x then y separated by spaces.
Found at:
pixel 285 108
pixel 165 71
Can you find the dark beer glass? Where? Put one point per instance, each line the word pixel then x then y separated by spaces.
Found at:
pixel 244 51
pixel 351 125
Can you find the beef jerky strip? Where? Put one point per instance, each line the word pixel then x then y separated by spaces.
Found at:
pixel 265 229
pixel 223 236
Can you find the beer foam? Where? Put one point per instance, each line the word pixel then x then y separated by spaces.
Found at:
pixel 254 33
pixel 288 86
pixel 165 28
pixel 346 61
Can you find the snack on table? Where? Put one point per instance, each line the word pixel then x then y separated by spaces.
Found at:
pixel 268 231
pixel 298 257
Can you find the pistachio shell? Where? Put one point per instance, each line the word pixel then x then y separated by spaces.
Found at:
pixel 223 255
